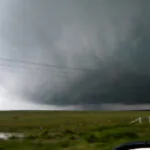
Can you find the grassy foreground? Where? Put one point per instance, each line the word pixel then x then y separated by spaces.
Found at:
pixel 68 130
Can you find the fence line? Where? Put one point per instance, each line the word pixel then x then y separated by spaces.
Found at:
pixel 140 120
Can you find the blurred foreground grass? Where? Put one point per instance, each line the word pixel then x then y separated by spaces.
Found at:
pixel 69 130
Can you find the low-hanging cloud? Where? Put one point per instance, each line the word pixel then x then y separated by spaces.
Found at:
pixel 106 40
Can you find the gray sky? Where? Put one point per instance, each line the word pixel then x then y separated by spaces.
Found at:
pixel 83 34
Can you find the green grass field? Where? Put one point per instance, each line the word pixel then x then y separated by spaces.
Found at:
pixel 69 130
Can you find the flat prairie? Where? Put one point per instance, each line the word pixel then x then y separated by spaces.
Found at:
pixel 72 130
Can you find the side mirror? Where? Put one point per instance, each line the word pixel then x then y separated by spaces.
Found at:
pixel 143 145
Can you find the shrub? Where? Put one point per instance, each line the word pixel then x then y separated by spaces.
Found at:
pixel 68 131
pixel 73 137
pixel 31 137
pixel 91 138
pixel 115 135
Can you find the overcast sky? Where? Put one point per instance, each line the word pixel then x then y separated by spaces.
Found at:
pixel 66 33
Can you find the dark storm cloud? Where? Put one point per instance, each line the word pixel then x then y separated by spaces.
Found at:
pixel 109 37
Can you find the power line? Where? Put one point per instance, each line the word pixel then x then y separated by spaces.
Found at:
pixel 44 65
pixel 6 66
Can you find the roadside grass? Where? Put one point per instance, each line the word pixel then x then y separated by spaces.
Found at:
pixel 68 130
